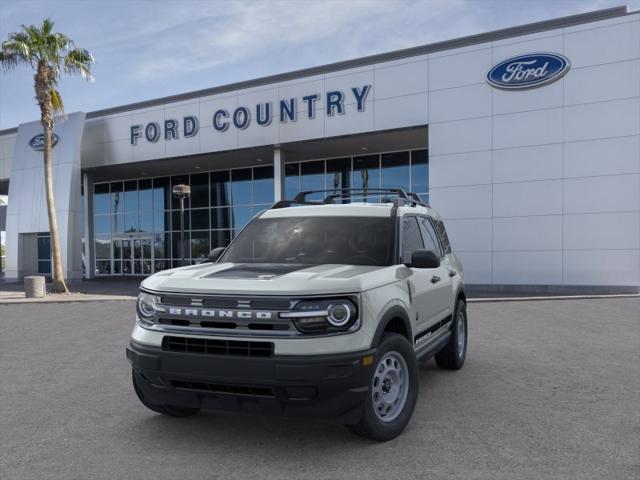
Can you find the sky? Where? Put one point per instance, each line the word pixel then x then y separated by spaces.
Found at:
pixel 152 48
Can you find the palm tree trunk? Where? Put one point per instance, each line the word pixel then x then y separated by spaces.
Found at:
pixel 42 86
pixel 59 284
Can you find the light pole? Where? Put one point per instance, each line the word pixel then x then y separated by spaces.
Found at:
pixel 182 192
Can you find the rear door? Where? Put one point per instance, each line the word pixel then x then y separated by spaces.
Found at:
pixel 442 293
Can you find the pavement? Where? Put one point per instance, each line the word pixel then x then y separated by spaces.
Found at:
pixel 550 390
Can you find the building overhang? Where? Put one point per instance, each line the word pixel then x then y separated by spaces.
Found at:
pixel 344 146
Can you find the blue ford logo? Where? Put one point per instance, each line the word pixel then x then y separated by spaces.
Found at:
pixel 37 142
pixel 528 71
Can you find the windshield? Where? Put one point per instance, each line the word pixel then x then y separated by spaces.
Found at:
pixel 314 241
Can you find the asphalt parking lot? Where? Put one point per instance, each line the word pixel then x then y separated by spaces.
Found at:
pixel 551 389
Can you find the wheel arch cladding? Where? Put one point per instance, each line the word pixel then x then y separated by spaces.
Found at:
pixel 461 296
pixel 395 320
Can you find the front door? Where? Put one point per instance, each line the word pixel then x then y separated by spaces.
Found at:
pixel 133 256
pixel 428 286
pixel 142 256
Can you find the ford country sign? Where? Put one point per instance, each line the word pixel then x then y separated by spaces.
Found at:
pixel 285 110
pixel 528 71
pixel 37 142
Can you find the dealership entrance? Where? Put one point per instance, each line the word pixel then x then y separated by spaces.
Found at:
pixel 133 256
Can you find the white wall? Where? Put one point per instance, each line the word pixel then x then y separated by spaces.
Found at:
pixel 27 208
pixel 542 186
pixel 7 145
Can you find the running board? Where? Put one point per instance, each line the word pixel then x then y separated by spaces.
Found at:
pixel 429 349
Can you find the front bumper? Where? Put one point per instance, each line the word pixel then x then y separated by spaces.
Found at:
pixel 328 386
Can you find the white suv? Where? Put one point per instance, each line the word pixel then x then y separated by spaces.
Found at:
pixel 316 308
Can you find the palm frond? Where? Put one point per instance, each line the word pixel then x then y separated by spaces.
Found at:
pixel 8 60
pixel 17 48
pixel 20 46
pixel 79 60
pixel 52 53
pixel 33 37
pixel 56 101
pixel 47 26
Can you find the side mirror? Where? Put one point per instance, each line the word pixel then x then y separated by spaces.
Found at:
pixel 214 254
pixel 424 259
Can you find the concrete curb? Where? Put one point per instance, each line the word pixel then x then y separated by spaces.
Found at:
pixel 70 299
pixel 548 298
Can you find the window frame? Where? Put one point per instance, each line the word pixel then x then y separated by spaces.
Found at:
pixel 401 235
pixel 436 238
pixel 448 250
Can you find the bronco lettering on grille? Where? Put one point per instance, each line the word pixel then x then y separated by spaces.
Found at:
pixel 214 313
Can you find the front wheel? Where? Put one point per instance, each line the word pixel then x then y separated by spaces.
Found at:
pixel 393 391
pixel 452 356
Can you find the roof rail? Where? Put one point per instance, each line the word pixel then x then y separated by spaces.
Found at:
pixel 417 199
pixel 289 203
pixel 403 198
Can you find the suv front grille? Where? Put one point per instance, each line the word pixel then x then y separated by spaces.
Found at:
pixel 255 391
pixel 218 347
pixel 239 315
pixel 282 326
pixel 244 316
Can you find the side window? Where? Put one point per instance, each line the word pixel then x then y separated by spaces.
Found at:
pixel 411 238
pixel 442 234
pixel 429 235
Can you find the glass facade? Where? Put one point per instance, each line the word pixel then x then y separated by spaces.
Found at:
pixel 408 170
pixel 137 222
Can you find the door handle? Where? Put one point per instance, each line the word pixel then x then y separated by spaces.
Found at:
pixel 435 279
pixel 452 273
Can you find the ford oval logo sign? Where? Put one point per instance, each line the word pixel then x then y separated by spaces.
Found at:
pixel 528 71
pixel 37 142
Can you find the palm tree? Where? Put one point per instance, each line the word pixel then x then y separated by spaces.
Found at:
pixel 50 55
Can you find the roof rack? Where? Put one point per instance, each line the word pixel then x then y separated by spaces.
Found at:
pixel 289 203
pixel 402 197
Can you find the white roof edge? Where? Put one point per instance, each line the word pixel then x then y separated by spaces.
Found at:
pixel 338 210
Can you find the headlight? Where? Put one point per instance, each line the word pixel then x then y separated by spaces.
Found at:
pixel 146 306
pixel 323 316
pixel 339 314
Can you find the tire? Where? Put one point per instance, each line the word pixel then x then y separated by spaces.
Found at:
pixel 169 410
pixel 452 356
pixel 394 355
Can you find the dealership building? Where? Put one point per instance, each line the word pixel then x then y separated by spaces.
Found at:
pixel 526 140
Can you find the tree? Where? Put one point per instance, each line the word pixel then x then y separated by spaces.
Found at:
pixel 50 55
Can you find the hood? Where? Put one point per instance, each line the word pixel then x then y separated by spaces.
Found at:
pixel 270 279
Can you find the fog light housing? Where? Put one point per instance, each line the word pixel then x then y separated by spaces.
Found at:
pixel 311 324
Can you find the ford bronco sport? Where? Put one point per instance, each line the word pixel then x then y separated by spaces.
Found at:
pixel 317 308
